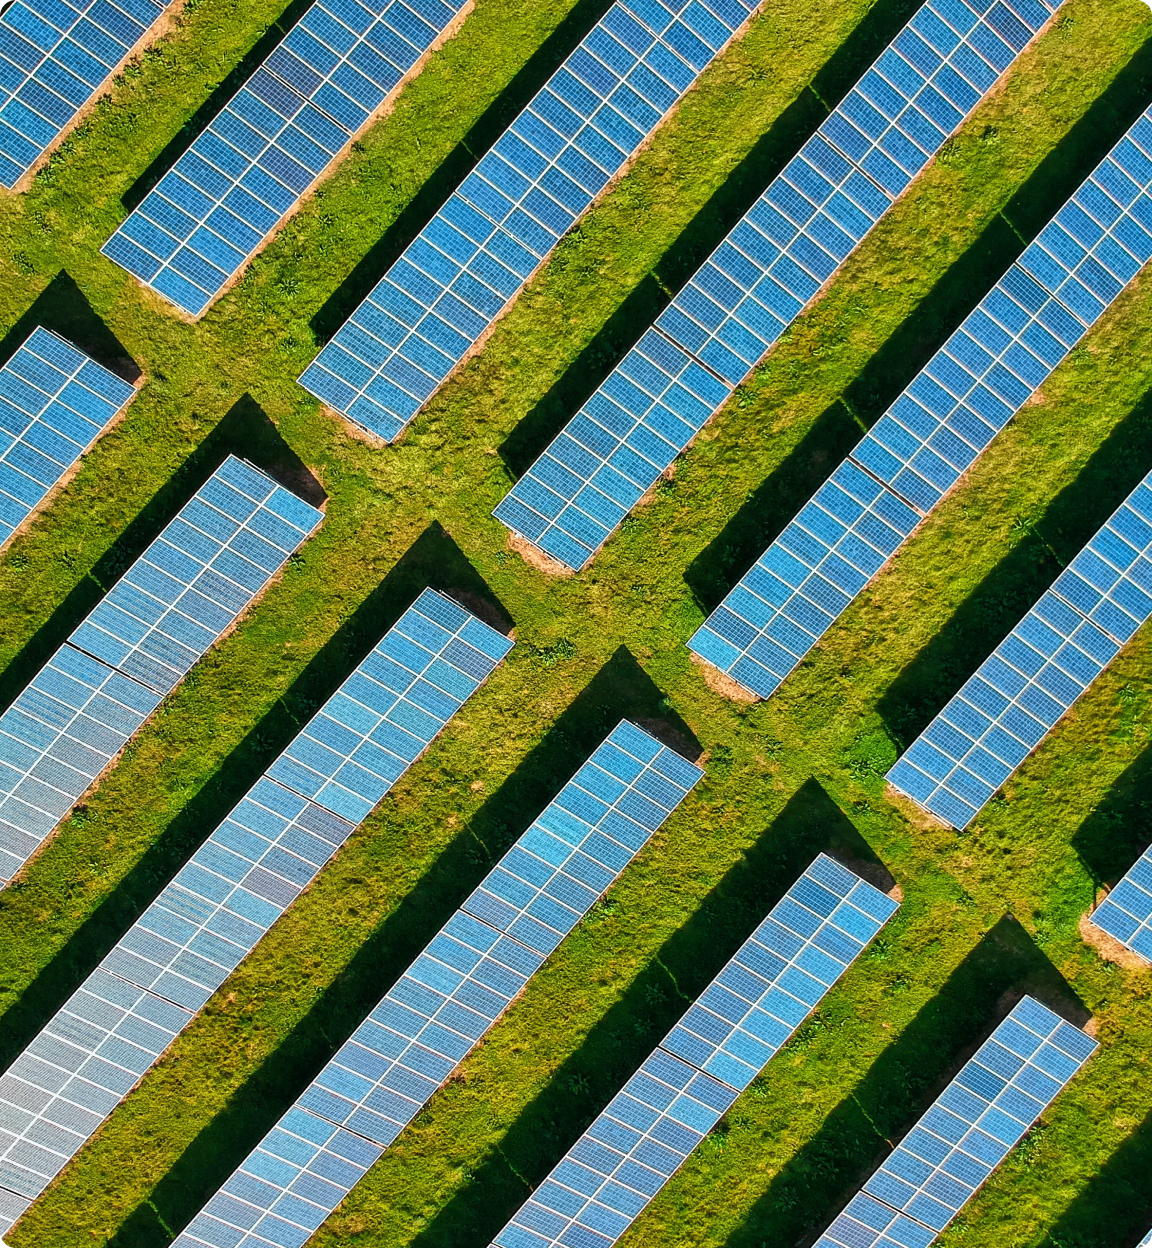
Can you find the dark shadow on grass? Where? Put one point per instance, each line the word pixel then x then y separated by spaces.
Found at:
pixel 1119 830
pixel 203 117
pixel 1115 1209
pixel 815 1184
pixel 457 165
pixel 627 1033
pixel 63 308
pixel 621 689
pixel 245 431
pixel 767 509
pixel 705 232
pixel 1001 599
pixel 434 559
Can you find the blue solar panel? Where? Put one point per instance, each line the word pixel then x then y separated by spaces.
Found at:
pixel 935 430
pixel 974 1124
pixel 54 403
pixel 766 272
pixel 55 55
pixel 136 645
pixel 212 915
pixel 1146 1242
pixel 738 1024
pixel 475 256
pixel 1037 672
pixel 1126 913
pixel 449 998
pixel 277 137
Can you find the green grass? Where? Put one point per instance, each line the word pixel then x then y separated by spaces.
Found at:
pixel 988 912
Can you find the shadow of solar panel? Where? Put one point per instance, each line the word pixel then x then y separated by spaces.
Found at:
pixel 449 997
pixel 55 55
pixel 1037 672
pixel 971 388
pixel 320 87
pixel 1126 913
pixel 183 593
pixel 54 403
pixel 737 1025
pixel 765 273
pixel 974 1124
pixel 219 905
pixel 475 256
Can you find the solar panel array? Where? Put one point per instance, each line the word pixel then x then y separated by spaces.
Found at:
pixel 1146 1242
pixel 766 271
pixel 272 143
pixel 449 998
pixel 54 56
pixel 1037 672
pixel 252 867
pixel 54 403
pixel 738 1024
pixel 973 1125
pixel 475 256
pixel 965 395
pixel 1126 913
pixel 136 645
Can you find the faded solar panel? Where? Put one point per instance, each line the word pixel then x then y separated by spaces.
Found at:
pixel 54 403
pixel 971 388
pixel 974 1124
pixel 475 256
pixel 272 143
pixel 255 864
pixel 449 998
pixel 766 272
pixel 175 602
pixel 1037 672
pixel 1126 913
pixel 738 1024
pixel 54 56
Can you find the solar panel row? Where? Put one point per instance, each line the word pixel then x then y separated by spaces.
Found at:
pixel 738 1024
pixel 766 272
pixel 275 139
pixel 449 998
pixel 1037 672
pixel 475 256
pixel 252 867
pixel 1126 913
pixel 935 430
pixel 54 56
pixel 183 593
pixel 54 403
pixel 973 1125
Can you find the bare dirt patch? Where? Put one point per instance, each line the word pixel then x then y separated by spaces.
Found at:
pixel 536 558
pixel 725 686
pixel 1108 947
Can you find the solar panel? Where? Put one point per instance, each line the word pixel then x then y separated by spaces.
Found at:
pixel 768 269
pixel 1126 913
pixel 136 645
pixel 971 388
pixel 277 137
pixel 449 998
pixel 252 867
pixel 55 55
pixel 738 1024
pixel 974 1124
pixel 1037 672
pixel 1146 1242
pixel 437 301
pixel 54 403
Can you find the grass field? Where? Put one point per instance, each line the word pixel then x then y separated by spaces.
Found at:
pixel 986 913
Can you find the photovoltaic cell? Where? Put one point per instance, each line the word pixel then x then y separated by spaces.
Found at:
pixel 1126 913
pixel 54 403
pixel 273 142
pixel 175 602
pixel 1037 672
pixel 212 915
pixel 55 55
pixel 971 388
pixel 766 272
pixel 475 256
pixel 449 998
pixel 978 1119
pixel 738 1024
